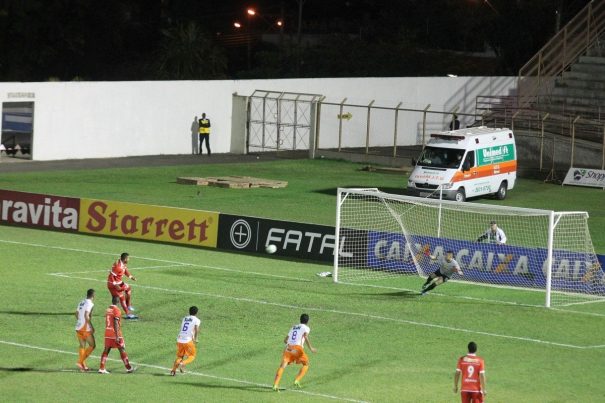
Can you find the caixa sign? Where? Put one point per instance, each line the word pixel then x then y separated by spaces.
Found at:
pixel 292 239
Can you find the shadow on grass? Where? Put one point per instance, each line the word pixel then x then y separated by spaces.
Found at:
pixel 41 370
pixel 251 388
pixel 233 357
pixel 29 313
pixel 345 372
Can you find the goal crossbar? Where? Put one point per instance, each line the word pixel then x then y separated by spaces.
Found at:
pixel 385 234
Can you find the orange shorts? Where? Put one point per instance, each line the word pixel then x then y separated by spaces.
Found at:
pixel 295 354
pixel 185 349
pixel 83 334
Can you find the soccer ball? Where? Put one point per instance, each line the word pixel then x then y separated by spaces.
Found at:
pixel 271 249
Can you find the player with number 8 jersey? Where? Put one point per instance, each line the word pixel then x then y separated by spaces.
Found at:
pixel 294 352
pixel 185 346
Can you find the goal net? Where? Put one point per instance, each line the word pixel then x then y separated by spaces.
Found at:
pixel 382 236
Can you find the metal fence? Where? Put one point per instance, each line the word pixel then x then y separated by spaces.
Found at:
pixel 280 120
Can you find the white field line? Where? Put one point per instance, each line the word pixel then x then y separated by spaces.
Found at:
pixel 155 260
pixel 597 301
pixel 483 299
pixel 132 268
pixel 286 277
pixel 339 312
pixel 166 369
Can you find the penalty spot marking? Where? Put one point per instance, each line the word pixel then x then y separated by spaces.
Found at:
pixel 220 378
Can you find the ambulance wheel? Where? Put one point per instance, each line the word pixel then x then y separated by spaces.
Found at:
pixel 502 190
pixel 460 195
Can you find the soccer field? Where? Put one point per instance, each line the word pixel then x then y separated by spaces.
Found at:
pixel 380 343
pixel 375 343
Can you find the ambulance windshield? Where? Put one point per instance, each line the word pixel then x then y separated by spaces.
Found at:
pixel 441 157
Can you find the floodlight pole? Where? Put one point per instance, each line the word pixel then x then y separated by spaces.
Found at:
pixel 573 139
pixel 424 125
pixel 395 132
pixel 542 140
pixel 340 123
pixel 368 126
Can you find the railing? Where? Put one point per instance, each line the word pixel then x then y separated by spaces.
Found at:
pixel 538 75
pixel 554 104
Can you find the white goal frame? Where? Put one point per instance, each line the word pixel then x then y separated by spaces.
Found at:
pixel 552 217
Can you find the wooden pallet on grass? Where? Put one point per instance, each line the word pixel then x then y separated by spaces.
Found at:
pixel 233 182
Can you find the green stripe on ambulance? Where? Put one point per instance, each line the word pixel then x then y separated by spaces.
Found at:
pixel 495 155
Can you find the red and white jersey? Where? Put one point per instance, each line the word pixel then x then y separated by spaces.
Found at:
pixel 296 335
pixel 470 366
pixel 118 270
pixel 188 328
pixel 84 306
pixel 111 314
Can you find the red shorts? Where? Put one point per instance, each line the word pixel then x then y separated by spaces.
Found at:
pixel 117 289
pixel 471 397
pixel 110 342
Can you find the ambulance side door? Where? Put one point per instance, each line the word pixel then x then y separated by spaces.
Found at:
pixel 470 173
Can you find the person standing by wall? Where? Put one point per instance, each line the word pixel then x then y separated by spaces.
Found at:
pixel 204 131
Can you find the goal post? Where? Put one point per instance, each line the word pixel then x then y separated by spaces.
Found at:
pixel 383 236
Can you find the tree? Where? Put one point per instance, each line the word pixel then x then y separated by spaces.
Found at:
pixel 186 53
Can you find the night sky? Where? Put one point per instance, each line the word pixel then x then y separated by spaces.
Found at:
pixel 193 39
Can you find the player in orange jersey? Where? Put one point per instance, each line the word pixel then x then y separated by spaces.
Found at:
pixel 118 288
pixel 472 369
pixel 294 352
pixel 85 331
pixel 185 342
pixel 113 336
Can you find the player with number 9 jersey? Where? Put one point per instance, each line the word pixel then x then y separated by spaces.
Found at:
pixel 185 347
pixel 471 369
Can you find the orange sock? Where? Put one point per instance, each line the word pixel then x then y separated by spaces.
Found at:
pixel 302 373
pixel 278 375
pixel 176 363
pixel 188 359
pixel 81 355
pixel 88 352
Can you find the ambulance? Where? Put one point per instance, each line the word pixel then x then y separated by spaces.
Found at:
pixel 465 163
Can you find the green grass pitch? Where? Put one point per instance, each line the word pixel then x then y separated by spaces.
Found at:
pixel 379 344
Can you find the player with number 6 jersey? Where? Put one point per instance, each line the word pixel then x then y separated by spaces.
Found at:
pixel 471 369
pixel 85 331
pixel 294 352
pixel 185 343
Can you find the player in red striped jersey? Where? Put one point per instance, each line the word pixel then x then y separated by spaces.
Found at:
pixel 471 369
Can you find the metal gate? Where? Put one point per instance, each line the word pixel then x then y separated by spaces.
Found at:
pixel 280 120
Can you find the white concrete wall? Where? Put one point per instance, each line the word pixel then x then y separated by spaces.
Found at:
pixel 117 119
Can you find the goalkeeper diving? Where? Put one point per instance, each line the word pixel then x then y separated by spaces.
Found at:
pixel 447 267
